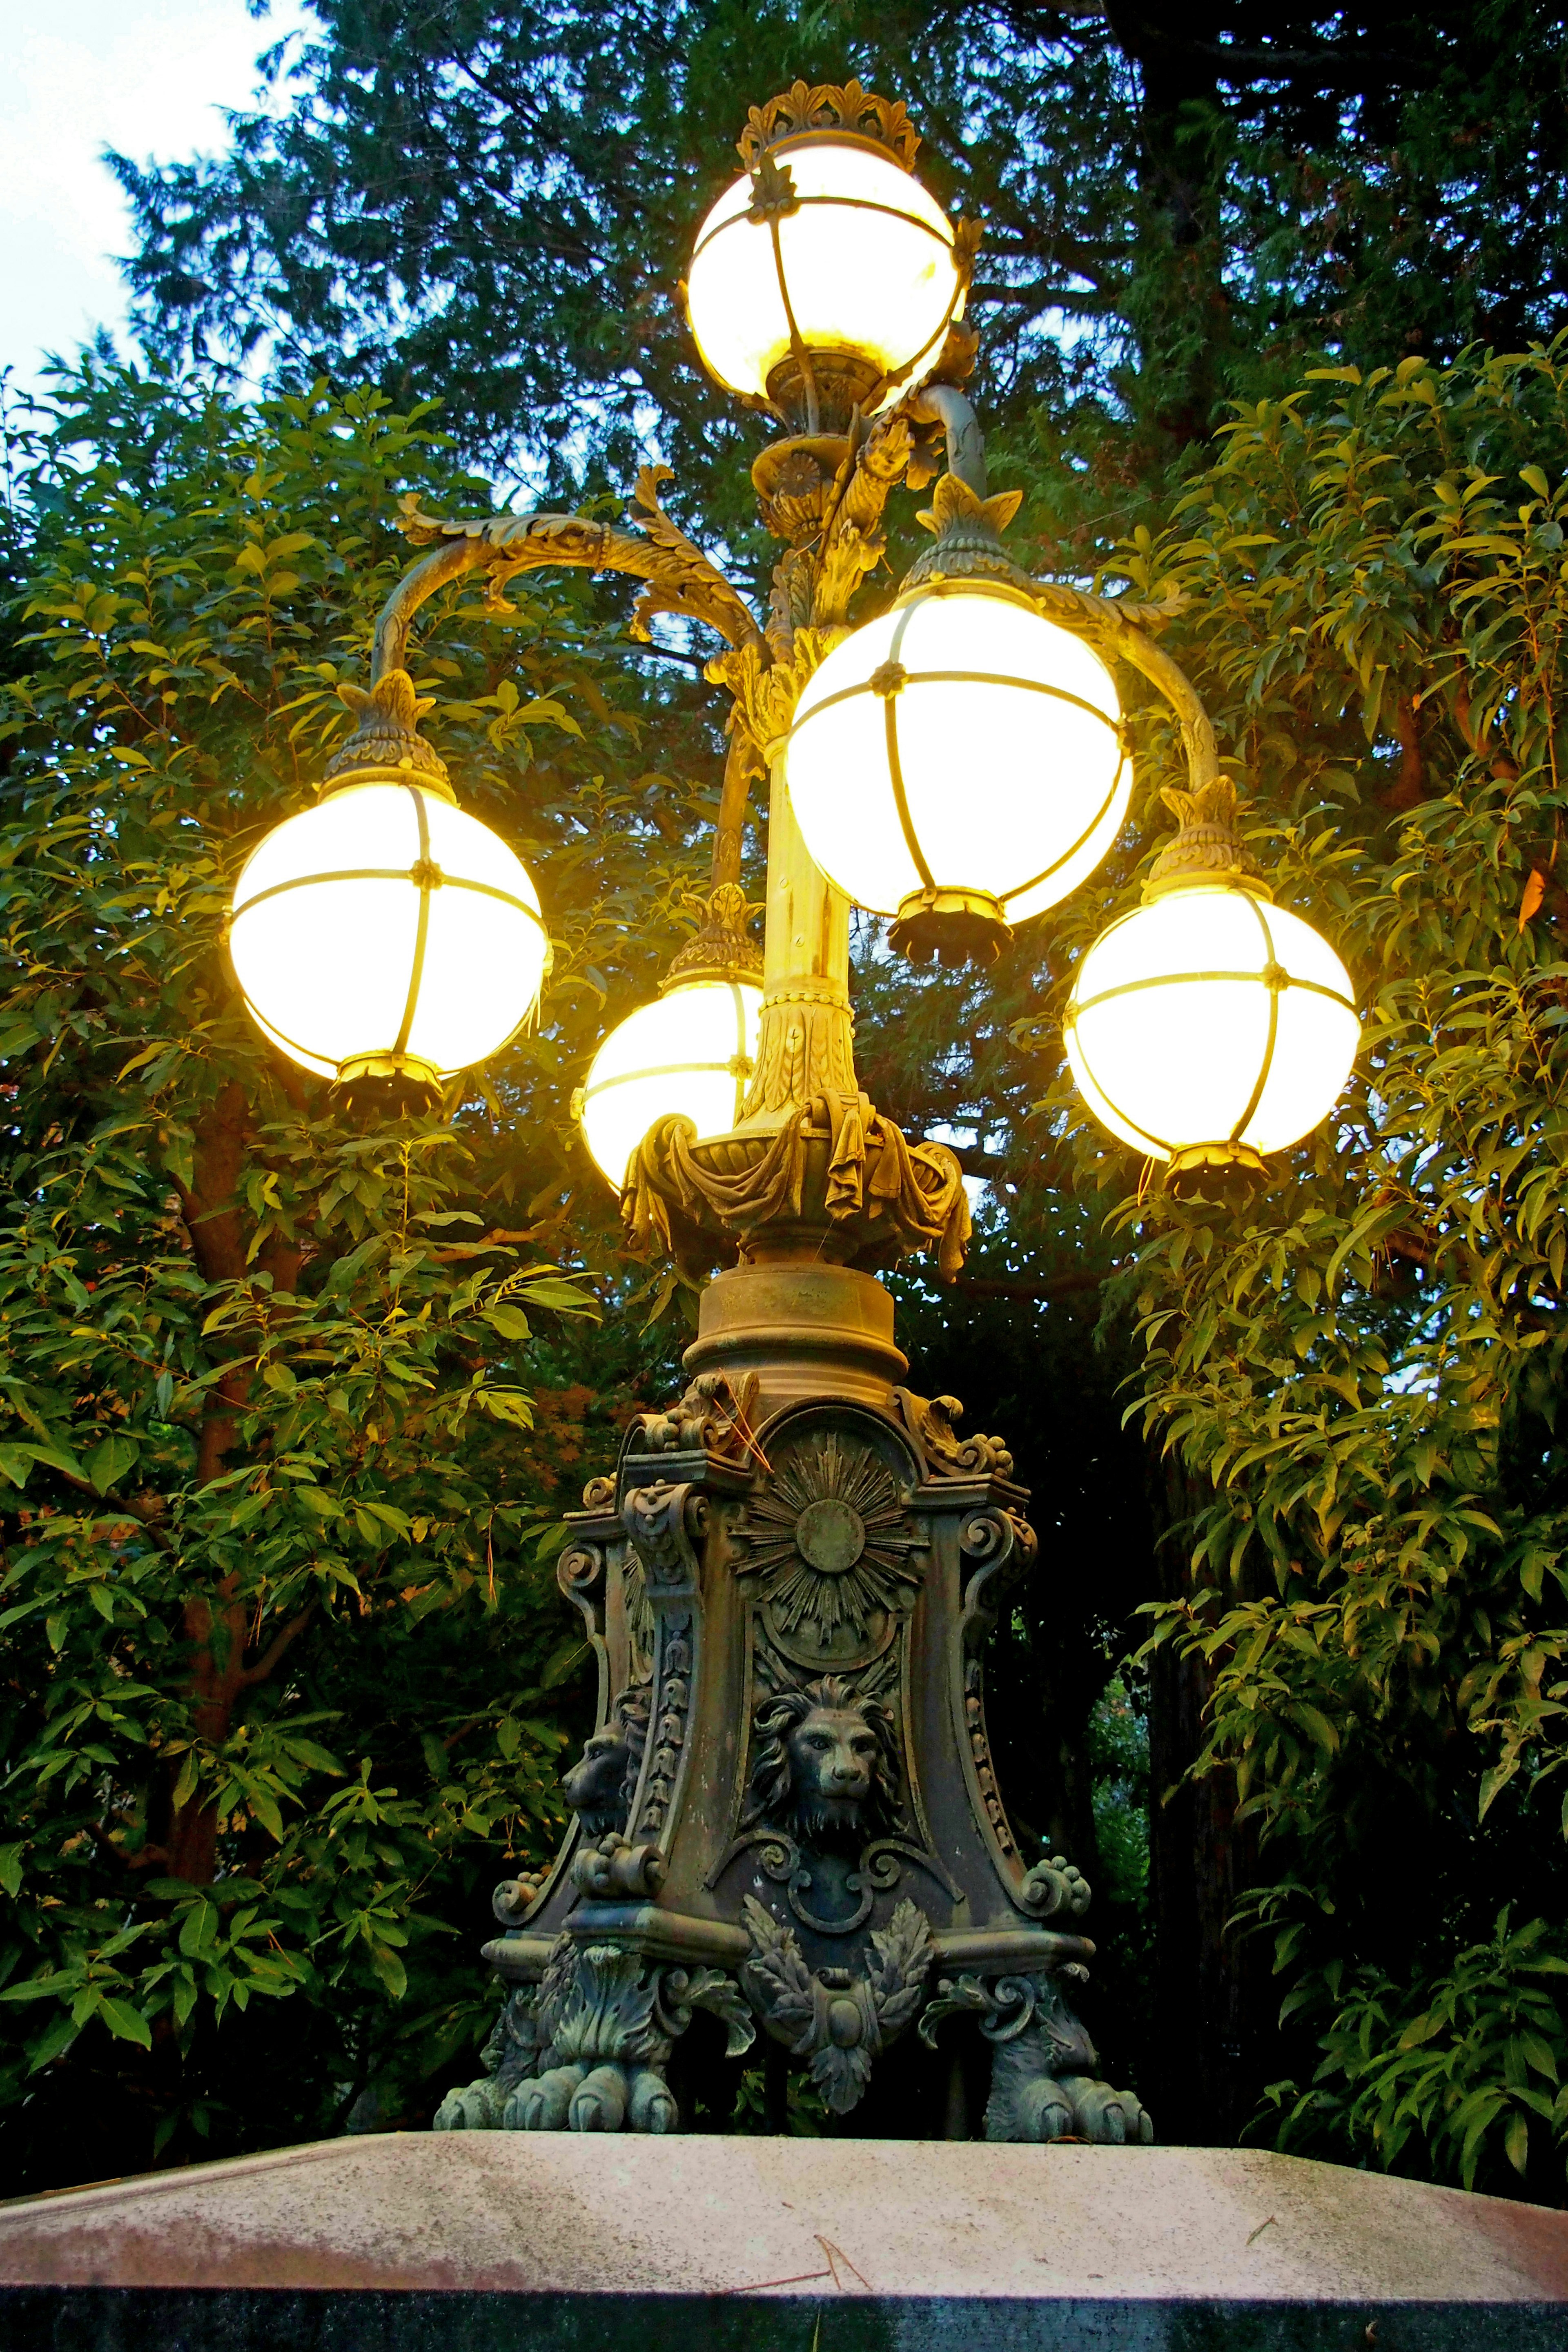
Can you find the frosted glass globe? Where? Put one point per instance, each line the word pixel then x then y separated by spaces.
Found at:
pixel 995 769
pixel 1209 1017
pixel 383 933
pixel 691 1054
pixel 867 259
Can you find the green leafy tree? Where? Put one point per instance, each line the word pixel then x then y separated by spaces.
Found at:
pixel 292 1390
pixel 1360 1367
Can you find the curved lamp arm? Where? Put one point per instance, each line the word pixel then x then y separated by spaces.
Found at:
pixel 1103 622
pixel 679 579
pixel 395 618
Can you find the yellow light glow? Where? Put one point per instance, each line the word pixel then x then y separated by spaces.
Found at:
pixel 867 259
pixel 1177 1038
pixel 1010 791
pixel 325 935
pixel 690 1055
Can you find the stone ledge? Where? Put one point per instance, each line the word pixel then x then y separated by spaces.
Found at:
pixel 477 2241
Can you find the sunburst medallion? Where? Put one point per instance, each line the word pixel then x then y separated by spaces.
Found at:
pixel 834 1546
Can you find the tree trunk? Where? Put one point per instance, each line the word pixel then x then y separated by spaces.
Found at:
pixel 214 1621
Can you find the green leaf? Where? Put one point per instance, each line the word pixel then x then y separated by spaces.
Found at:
pixel 108 1462
pixel 264 1808
pixel 199 1929
pixel 55 2038
pixel 54 1457
pixel 510 1321
pixel 1323 1733
pixel 391 1971
pixel 125 2024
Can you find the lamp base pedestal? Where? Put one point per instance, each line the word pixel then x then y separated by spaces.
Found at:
pixel 791 1856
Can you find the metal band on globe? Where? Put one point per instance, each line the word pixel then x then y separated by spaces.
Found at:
pixel 422 876
pixel 739 1066
pixel 888 694
pixel 1274 977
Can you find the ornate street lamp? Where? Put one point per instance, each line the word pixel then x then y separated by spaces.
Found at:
pixel 788 1820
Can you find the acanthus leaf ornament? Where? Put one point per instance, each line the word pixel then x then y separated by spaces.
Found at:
pixel 829 107
pixel 680 578
pixel 931 1423
pixel 841 2019
pixel 712 1417
pixel 386 743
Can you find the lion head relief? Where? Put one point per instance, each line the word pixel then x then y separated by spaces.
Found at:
pixel 827 1767
pixel 601 1783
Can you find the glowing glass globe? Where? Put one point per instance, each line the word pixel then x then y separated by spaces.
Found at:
pixel 862 257
pixel 385 934
pixel 1208 1028
pixel 691 1054
pixel 960 754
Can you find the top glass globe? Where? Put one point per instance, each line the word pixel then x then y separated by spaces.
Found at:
pixel 829 261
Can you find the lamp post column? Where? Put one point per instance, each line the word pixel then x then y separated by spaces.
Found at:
pixel 788 1313
pixel 807 1031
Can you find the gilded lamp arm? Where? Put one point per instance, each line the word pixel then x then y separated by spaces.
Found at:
pixel 680 579
pixel 744 767
pixel 421 580
pixel 1114 629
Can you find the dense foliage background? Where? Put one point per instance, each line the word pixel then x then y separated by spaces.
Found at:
pixel 294 1396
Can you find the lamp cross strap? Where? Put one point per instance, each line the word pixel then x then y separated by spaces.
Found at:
pixel 891 679
pixel 319 885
